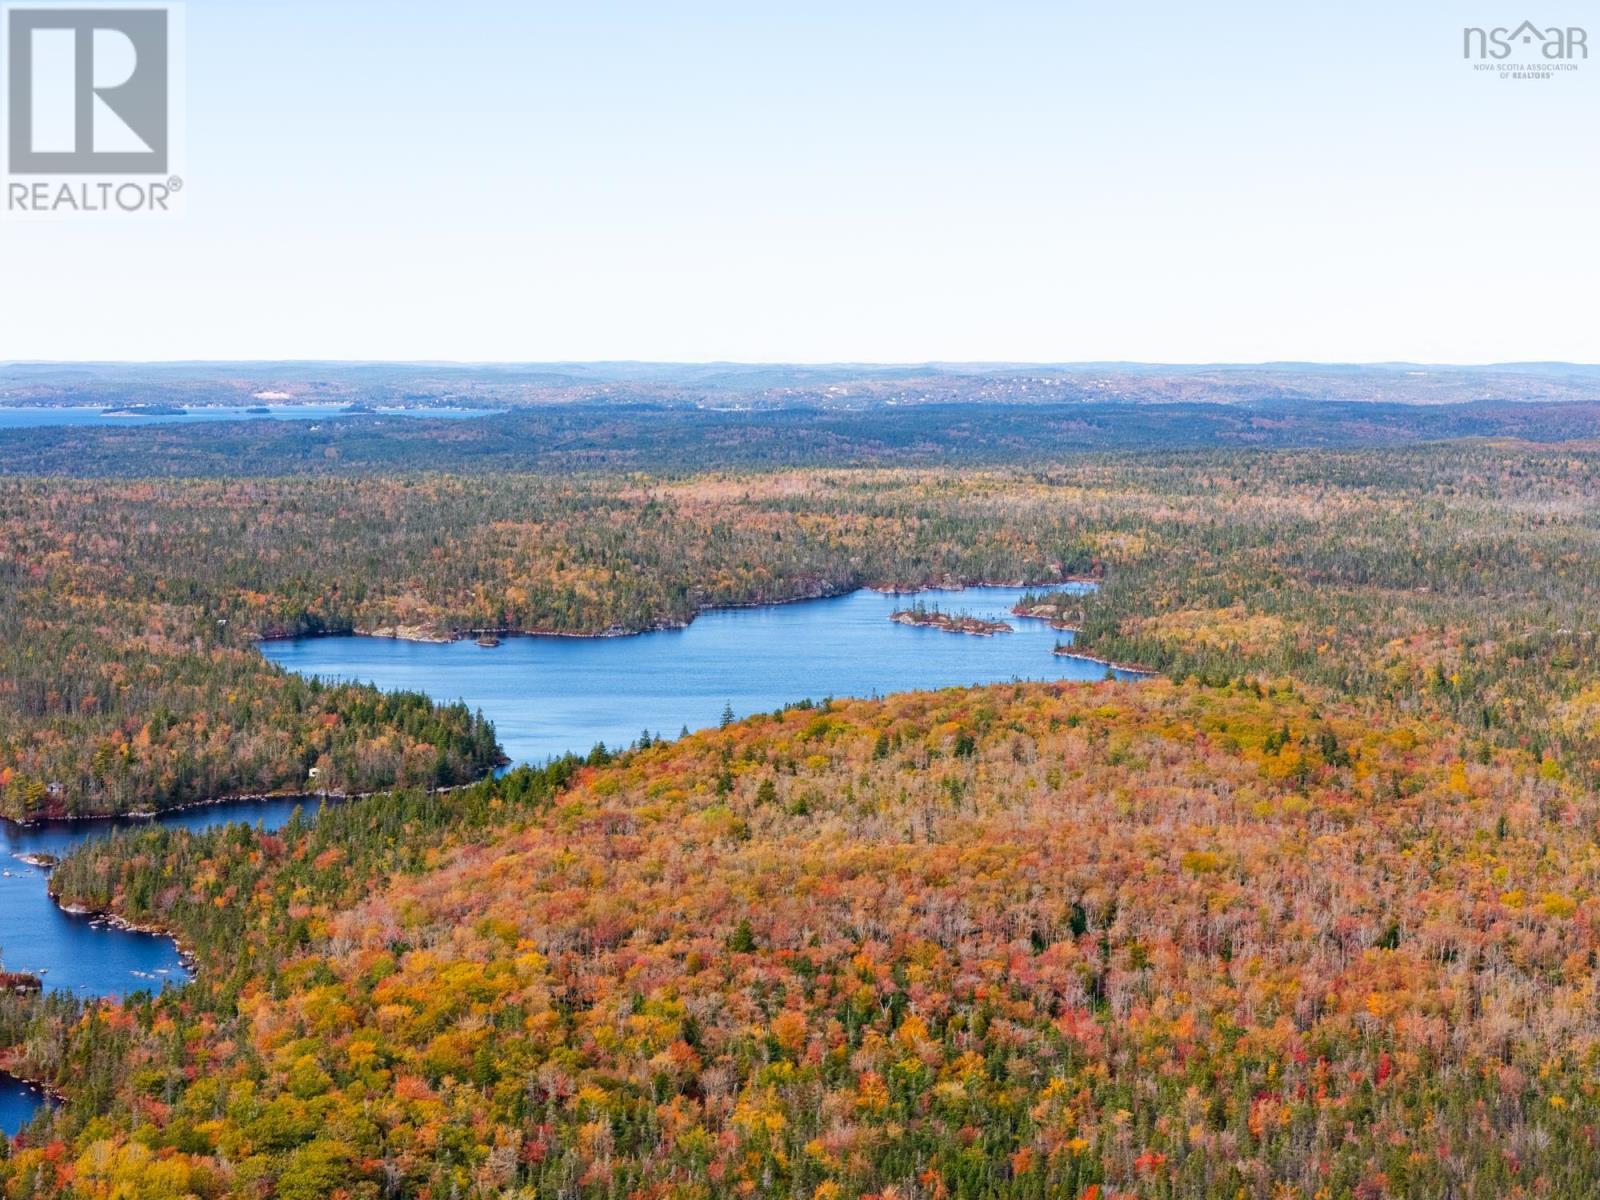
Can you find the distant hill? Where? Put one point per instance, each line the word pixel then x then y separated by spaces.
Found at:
pixel 661 436
pixel 765 385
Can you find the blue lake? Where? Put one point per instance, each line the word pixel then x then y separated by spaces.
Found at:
pixel 42 416
pixel 548 695
pixel 18 1102
pixel 80 954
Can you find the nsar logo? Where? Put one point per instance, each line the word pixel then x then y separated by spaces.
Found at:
pixel 1555 43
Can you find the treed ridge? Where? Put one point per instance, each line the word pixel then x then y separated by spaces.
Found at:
pixel 1159 939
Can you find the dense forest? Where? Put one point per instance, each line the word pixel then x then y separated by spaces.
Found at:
pixel 115 705
pixel 1312 914
pixel 1457 580
pixel 1154 939
pixel 632 434
pixel 129 677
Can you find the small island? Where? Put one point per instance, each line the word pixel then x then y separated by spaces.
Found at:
pixel 145 410
pixel 933 618
pixel 37 858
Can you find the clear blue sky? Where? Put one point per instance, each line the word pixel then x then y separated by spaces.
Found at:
pixel 830 181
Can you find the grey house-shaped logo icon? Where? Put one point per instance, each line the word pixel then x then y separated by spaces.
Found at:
pixel 88 91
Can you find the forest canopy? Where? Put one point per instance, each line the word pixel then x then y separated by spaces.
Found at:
pixel 1310 914
pixel 1456 579
pixel 1157 939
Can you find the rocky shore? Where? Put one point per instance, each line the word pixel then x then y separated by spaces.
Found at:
pixel 1059 616
pixel 112 920
pixel 932 618
pixel 1068 651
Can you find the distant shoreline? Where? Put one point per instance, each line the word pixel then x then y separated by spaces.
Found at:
pixel 433 635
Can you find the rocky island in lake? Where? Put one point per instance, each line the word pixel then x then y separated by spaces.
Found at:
pixel 144 410
pixel 933 618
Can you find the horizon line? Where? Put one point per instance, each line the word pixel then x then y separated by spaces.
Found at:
pixel 931 364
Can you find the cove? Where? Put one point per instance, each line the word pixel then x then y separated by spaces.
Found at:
pixel 82 954
pixel 549 695
pixel 18 1102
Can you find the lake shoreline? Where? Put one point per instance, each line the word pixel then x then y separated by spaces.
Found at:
pixel 154 816
pixel 111 918
pixel 423 634
pixel 1131 668
pixel 805 647
pixel 186 956
pixel 51 1093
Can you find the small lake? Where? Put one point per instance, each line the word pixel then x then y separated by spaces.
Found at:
pixel 548 695
pixel 44 416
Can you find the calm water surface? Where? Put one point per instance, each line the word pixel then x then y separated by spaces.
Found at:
pixel 18 1102
pixel 548 695
pixel 40 416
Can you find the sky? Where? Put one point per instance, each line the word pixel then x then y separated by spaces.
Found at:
pixel 874 182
